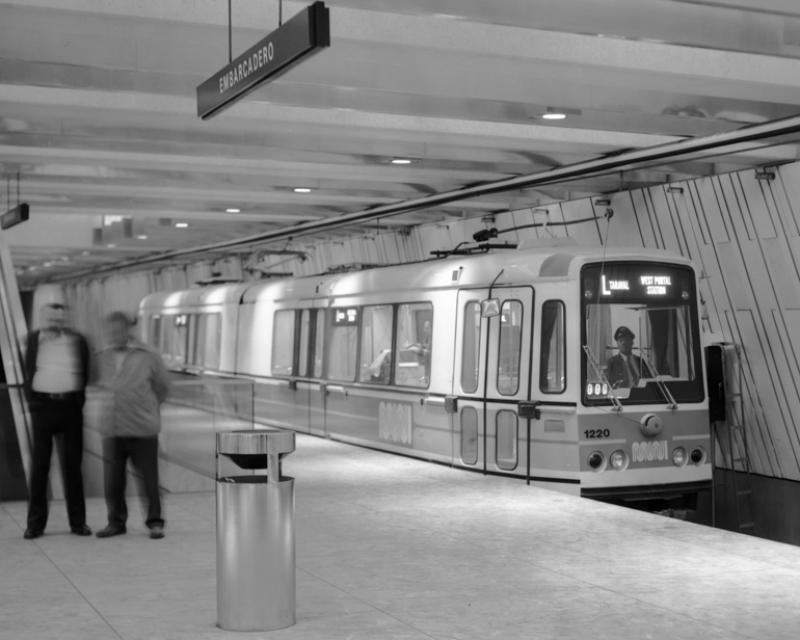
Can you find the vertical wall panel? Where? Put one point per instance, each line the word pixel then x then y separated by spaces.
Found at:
pixel 709 201
pixel 787 197
pixel 755 193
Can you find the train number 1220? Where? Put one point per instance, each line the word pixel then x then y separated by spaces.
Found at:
pixel 597 433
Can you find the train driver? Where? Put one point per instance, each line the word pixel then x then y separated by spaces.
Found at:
pixel 626 369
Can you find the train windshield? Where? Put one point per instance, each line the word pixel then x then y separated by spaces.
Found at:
pixel 640 334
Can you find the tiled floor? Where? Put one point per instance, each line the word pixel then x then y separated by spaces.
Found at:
pixel 389 547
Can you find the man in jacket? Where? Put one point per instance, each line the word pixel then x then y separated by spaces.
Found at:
pixel 136 380
pixel 625 369
pixel 56 373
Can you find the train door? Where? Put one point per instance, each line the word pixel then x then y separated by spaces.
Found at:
pixel 309 392
pixel 491 374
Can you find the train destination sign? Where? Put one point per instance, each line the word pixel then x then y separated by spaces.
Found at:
pixel 291 43
pixel 15 216
pixel 651 285
pixel 622 282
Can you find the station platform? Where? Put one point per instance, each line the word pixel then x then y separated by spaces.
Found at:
pixel 389 547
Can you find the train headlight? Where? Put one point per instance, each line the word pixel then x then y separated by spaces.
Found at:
pixel 596 460
pixel 618 460
pixel 679 456
pixel 698 455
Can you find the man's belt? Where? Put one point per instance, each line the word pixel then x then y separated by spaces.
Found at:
pixel 67 395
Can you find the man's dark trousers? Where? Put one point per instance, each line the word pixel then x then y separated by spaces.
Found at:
pixel 143 453
pixel 60 419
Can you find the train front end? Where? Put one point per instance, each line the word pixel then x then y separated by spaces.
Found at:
pixel 643 427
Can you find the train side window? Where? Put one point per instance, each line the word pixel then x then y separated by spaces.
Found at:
pixel 154 334
pixel 212 339
pixel 303 364
pixel 342 344
pixel 469 434
pixel 199 339
pixel 553 358
pixel 283 342
pixel 376 344
pixel 507 427
pixel 192 349
pixel 470 347
pixel 509 347
pixel 412 366
pixel 179 335
pixel 319 342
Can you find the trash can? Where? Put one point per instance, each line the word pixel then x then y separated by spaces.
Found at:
pixel 255 531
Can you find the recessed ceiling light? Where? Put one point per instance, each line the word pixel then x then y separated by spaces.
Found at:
pixel 232 210
pixel 554 115
pixel 181 225
pixel 302 190
pixel 401 161
pixel 142 236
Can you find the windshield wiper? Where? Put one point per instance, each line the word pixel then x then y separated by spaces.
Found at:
pixel 599 373
pixel 660 384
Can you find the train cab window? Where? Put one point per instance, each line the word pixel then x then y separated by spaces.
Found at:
pixel 469 435
pixel 553 358
pixel 283 343
pixel 470 347
pixel 509 347
pixel 376 344
pixel 412 366
pixel 507 426
pixel 342 343
pixel 641 341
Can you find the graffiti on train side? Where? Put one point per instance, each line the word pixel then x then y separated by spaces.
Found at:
pixel 395 422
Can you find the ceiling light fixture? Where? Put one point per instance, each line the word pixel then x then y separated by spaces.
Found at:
pixel 142 236
pixel 554 115
pixel 232 210
pixel 401 161
pixel 302 190
pixel 181 225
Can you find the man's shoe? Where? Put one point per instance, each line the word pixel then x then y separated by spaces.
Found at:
pixel 109 531
pixel 30 534
pixel 83 530
pixel 156 532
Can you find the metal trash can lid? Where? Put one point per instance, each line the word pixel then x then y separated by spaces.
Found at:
pixel 268 440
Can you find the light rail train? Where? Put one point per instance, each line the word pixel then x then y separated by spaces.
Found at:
pixel 501 362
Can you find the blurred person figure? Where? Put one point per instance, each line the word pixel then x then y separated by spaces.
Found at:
pixel 56 374
pixel 136 381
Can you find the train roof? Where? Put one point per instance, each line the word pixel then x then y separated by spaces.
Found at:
pixel 199 296
pixel 525 264
pixel 532 261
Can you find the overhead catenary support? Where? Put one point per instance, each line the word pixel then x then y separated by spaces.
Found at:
pixel 741 140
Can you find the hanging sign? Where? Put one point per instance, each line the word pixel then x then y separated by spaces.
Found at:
pixel 291 43
pixel 14 216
